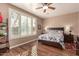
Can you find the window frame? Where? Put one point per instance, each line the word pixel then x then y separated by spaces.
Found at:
pixel 21 14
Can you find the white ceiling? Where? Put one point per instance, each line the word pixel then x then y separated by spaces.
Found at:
pixel 61 9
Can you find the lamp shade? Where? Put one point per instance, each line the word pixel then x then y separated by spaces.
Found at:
pixel 68 28
pixel 1 19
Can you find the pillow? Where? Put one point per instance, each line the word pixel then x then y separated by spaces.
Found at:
pixel 54 31
pixel 60 32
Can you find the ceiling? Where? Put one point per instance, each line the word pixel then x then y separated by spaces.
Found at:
pixel 61 9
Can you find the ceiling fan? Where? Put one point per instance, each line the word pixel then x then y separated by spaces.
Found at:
pixel 46 6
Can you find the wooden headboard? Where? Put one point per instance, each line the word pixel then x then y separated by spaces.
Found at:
pixel 56 28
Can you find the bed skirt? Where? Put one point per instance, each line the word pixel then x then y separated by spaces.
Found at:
pixel 53 44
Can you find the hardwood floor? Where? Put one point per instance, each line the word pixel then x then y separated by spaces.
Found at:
pixel 18 51
pixel 23 50
pixel 44 50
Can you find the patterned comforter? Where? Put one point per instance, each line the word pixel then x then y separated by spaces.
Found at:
pixel 54 36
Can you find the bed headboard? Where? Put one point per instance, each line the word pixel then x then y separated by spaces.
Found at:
pixel 56 28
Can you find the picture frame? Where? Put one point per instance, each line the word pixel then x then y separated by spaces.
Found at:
pixel 39 27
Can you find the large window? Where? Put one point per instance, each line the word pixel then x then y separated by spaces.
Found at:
pixel 14 24
pixel 29 25
pixel 21 25
pixel 34 28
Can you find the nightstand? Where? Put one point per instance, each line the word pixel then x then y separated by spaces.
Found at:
pixel 77 46
pixel 69 38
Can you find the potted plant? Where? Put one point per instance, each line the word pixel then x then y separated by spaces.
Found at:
pixel 1 34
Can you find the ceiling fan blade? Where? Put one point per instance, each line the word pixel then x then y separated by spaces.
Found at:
pixel 53 8
pixel 44 10
pixel 39 7
pixel 49 3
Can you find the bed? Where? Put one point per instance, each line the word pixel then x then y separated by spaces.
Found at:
pixel 53 37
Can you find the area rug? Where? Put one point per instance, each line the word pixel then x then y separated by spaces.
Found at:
pixel 70 46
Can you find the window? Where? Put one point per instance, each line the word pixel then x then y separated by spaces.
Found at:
pixel 29 25
pixel 34 26
pixel 14 27
pixel 21 25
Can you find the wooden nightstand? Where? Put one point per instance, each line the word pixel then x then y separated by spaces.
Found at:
pixel 69 38
pixel 77 46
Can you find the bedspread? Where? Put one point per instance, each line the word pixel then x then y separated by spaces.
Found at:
pixel 53 36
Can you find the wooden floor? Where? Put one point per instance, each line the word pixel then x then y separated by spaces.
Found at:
pixel 44 50
pixel 23 50
pixel 18 51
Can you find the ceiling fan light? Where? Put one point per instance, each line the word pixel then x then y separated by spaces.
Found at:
pixel 45 7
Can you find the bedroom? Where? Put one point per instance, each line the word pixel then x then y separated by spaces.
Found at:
pixel 28 28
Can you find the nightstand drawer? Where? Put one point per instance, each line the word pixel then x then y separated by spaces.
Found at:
pixel 68 38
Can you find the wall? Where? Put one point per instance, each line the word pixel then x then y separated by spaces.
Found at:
pixel 15 42
pixel 78 24
pixel 62 21
pixel 40 22
pixel 4 10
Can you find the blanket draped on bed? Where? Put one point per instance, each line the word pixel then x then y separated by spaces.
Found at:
pixel 53 36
